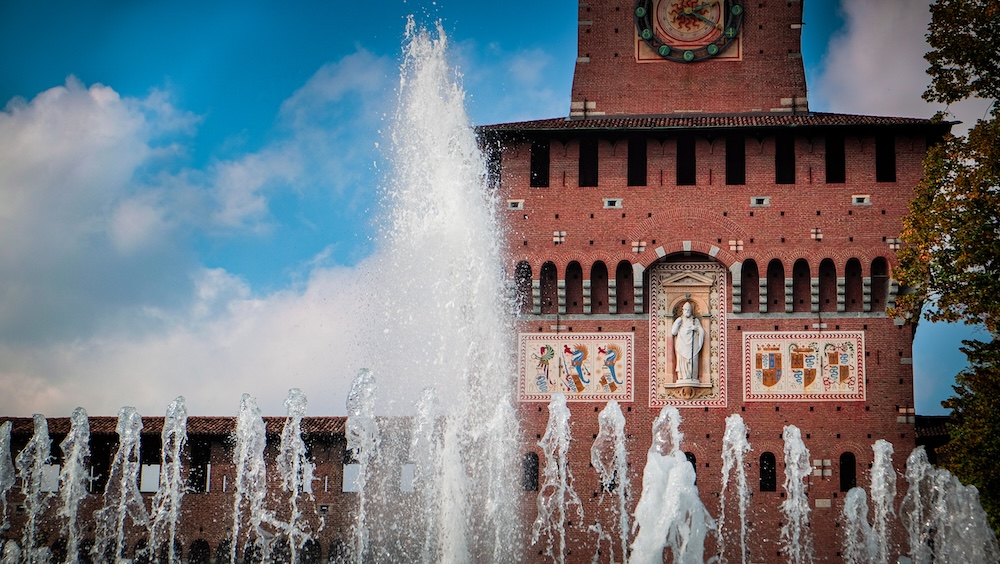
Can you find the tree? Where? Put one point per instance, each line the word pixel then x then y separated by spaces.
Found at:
pixel 951 261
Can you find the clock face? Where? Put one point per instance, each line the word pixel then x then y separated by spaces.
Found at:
pixel 688 30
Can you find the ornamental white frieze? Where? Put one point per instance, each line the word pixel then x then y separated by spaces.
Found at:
pixel 583 366
pixel 804 366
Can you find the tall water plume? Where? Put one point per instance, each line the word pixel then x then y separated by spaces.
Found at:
pixel 445 318
pixel 883 492
pixel 74 479
pixel 557 503
pixel 30 463
pixel 8 477
pixel 796 539
pixel 943 518
pixel 363 438
pixel 859 542
pixel 167 501
pixel 251 475
pixel 669 513
pixel 122 500
pixel 734 449
pixel 296 471
pixel 610 460
pixel 425 451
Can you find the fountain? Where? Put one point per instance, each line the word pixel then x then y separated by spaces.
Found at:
pixel 795 536
pixel 8 477
pixel 122 500
pixel 167 501
pixel 609 459
pixel 859 541
pixel 31 463
pixel 734 449
pixel 251 476
pixel 557 503
pixel 74 479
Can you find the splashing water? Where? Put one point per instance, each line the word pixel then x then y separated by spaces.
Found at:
pixel 167 501
pixel 795 536
pixel 363 440
pixel 943 518
pixel 8 477
pixel 73 479
pixel 669 513
pixel 556 497
pixel 609 458
pixel 425 450
pixel 859 542
pixel 296 471
pixel 734 449
pixel 31 463
pixel 122 500
pixel 251 475
pixel 883 492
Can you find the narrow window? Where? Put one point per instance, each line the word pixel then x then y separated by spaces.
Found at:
pixel 801 286
pixel 574 288
pixel 201 456
pixel 880 284
pixel 775 287
pixel 836 163
pixel 827 286
pixel 750 286
pixel 686 164
pixel 853 298
pixel 784 159
pixel 768 473
pixel 529 472
pixel 588 162
pixel 548 288
pixel 694 464
pixel 540 163
pixel 625 291
pixel 848 471
pixel 885 158
pixel 599 288
pixel 637 161
pixel 200 552
pixel 522 278
pixel 736 159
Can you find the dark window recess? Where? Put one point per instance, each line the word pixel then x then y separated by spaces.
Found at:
pixel 588 162
pixel 529 475
pixel 540 163
pixel 848 471
pixel 736 159
pixel 150 448
pixel 686 164
pixel 201 456
pixel 784 159
pixel 694 464
pixel 768 473
pixel 885 158
pixel 836 163
pixel 637 161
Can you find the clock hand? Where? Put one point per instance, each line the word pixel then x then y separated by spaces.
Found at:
pixel 704 19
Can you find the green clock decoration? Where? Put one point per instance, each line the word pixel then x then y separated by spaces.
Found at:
pixel 688 30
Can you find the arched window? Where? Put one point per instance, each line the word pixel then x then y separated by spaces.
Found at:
pixel 624 287
pixel 522 280
pixel 801 286
pixel 694 464
pixel 880 284
pixel 750 282
pixel 853 297
pixel 548 287
pixel 827 286
pixel 529 472
pixel 775 287
pixel 848 471
pixel 311 552
pixel 574 288
pixel 768 472
pixel 200 552
pixel 599 288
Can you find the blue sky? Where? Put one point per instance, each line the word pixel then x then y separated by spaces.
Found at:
pixel 187 190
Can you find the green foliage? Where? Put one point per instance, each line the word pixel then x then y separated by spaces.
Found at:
pixel 974 448
pixel 964 35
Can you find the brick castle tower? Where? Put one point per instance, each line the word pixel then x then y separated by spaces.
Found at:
pixel 690 174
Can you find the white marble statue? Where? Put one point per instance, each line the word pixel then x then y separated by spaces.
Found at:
pixel 689 337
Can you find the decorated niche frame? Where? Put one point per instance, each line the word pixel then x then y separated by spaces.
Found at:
pixel 674 379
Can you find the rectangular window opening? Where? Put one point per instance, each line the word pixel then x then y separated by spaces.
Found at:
pixel 836 162
pixel 540 164
pixel 686 164
pixel 588 162
pixel 885 158
pixel 637 161
pixel 784 159
pixel 736 160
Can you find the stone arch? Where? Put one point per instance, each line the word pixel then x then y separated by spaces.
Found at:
pixel 574 287
pixel 801 286
pixel 880 283
pixel 750 284
pixel 827 285
pixel 625 287
pixel 775 286
pixel 522 287
pixel 599 287
pixel 548 288
pixel 853 290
